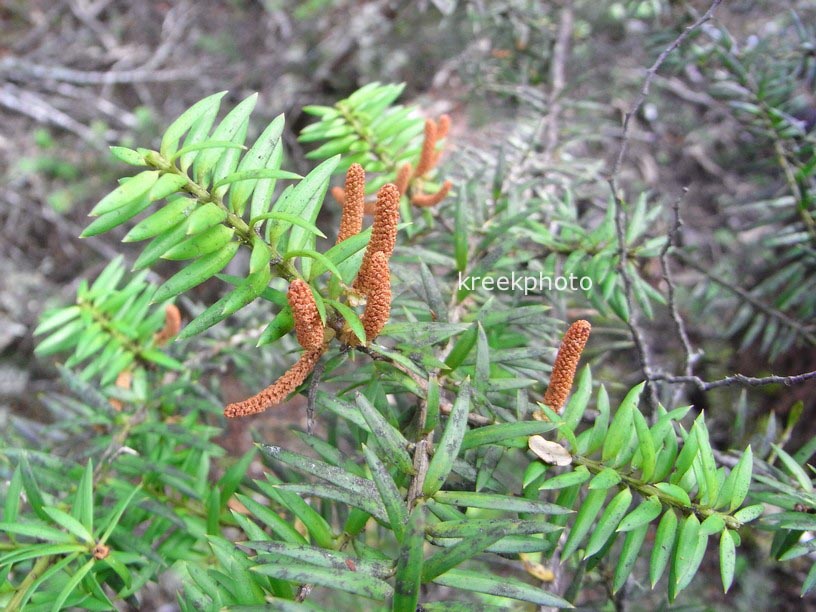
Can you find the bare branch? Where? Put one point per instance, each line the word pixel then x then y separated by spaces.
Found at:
pixel 647 82
pixel 672 238
pixel 16 67
pixel 737 379
pixel 558 79
pixel 27 103
pixel 641 347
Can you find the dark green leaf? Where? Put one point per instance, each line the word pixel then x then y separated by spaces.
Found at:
pixel 204 243
pixel 794 469
pixel 330 473
pixel 493 434
pixel 387 437
pixel 339 579
pixel 258 173
pixel 584 520
pixel 621 428
pixel 447 450
pixel 264 154
pixel 231 129
pixel 568 479
pixel 576 406
pixel 111 219
pixel 458 554
pixel 645 513
pixel 168 216
pixel 72 584
pixel 646 447
pixel 271 519
pixel 749 513
pixel 605 479
pixel 83 506
pixel 409 569
pixel 503 586
pixel 609 521
pixel 38 530
pixel 628 556
pixel 395 505
pixel 663 546
pixel 728 558
pixel 128 156
pixel 493 501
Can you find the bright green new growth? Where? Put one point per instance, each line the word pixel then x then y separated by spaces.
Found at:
pixel 110 329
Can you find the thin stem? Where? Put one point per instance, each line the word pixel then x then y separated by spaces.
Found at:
pixel 41 565
pixel 672 239
pixel 242 229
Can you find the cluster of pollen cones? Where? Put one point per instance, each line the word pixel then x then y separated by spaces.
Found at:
pixel 373 282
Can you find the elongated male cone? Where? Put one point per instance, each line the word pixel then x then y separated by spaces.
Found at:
pixel 403 177
pixel 383 233
pixel 427 158
pixel 308 326
pixel 378 307
pixel 566 362
pixel 442 126
pixel 172 325
pixel 432 199
pixel 277 392
pixel 353 203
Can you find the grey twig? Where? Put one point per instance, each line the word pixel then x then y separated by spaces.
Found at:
pixel 737 379
pixel 88 16
pixel 558 80
pixel 647 82
pixel 13 66
pixel 672 239
pixel 641 347
pixel 88 98
pixel 27 103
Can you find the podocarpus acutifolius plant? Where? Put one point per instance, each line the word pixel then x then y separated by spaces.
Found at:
pixel 417 483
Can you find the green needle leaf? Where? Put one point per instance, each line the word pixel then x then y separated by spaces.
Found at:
pixel 83 506
pixel 663 546
pixel 644 514
pixel 728 558
pixel 448 448
pixel 394 503
pixel 386 436
pixel 196 273
pixel 177 129
pixel 410 563
pixel 132 189
pixel 609 521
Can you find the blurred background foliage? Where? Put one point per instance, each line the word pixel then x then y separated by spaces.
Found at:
pixel 536 91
